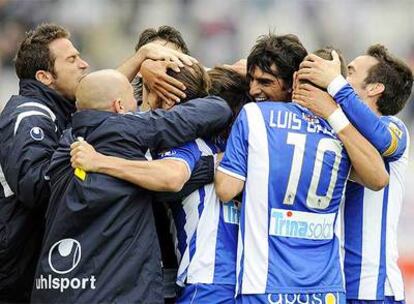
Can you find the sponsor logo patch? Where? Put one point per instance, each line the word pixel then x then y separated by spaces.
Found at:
pixel 299 224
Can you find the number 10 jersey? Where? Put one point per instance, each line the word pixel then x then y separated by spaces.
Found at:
pixel 295 171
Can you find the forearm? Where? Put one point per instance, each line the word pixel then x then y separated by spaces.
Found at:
pixel 227 187
pixel 202 174
pixel 365 159
pixel 361 116
pixel 200 117
pixel 156 175
pixel 132 65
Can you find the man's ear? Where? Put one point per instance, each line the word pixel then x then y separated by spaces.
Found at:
pixel 117 106
pixel 375 89
pixel 44 77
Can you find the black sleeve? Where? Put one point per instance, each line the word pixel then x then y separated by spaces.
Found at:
pixel 201 117
pixel 203 174
pixel 29 152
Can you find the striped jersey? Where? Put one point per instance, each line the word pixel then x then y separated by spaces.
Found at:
pixel 206 229
pixel 295 170
pixel 370 227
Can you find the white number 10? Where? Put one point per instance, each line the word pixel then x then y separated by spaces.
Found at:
pixel 313 200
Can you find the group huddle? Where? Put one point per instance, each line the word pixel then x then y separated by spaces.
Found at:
pixel 277 179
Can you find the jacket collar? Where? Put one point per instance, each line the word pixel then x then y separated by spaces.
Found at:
pixel 61 106
pixel 86 120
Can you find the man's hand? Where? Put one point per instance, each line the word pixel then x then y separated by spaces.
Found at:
pixel 158 81
pixel 84 156
pixel 158 52
pixel 320 71
pixel 239 67
pixel 314 99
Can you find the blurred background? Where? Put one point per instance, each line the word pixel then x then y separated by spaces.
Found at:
pixel 223 31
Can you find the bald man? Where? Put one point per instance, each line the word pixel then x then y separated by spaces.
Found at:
pixel 100 242
pixel 106 90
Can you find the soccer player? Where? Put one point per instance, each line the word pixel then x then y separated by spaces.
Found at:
pixel 100 242
pixel 155 74
pixel 293 167
pixel 377 88
pixel 206 228
pixel 166 88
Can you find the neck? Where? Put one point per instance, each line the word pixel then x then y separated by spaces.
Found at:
pixel 372 104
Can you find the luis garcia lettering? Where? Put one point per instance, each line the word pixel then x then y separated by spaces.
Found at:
pixel 289 120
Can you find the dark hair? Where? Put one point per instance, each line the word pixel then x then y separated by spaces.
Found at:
pixel 195 79
pixel 34 54
pixel 164 32
pixel 395 75
pixel 233 88
pixel 286 52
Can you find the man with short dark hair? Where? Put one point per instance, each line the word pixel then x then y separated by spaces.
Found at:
pixel 271 64
pixel 292 167
pixel 166 34
pixel 383 84
pixel 49 68
pixel 154 72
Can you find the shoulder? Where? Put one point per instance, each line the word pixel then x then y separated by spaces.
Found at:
pixel 396 125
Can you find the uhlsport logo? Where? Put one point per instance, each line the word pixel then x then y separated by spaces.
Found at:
pixel 299 224
pixel 63 257
pixel 37 133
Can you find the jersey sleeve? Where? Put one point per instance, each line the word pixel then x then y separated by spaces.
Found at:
pixel 399 137
pixel 188 153
pixel 234 162
pixel 378 131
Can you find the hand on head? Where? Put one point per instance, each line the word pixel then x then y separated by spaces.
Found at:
pixel 319 71
pixel 314 99
pixel 167 88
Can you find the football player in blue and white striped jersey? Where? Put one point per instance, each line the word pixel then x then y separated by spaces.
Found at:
pixel 293 168
pixel 377 88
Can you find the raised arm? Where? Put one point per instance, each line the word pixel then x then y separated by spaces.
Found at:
pixel 326 74
pixel 366 161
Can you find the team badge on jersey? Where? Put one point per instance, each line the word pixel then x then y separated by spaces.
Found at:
pixel 397 131
pixel 37 134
